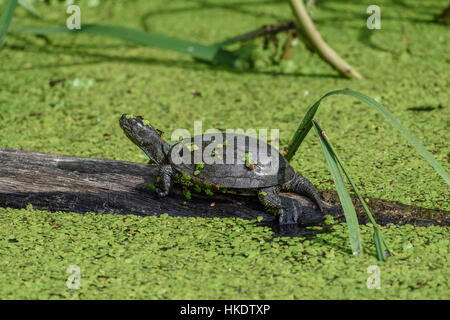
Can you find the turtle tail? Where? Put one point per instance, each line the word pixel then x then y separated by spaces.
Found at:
pixel 302 186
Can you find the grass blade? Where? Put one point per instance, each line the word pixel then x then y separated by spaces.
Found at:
pixel 27 5
pixel 5 18
pixel 380 244
pixel 344 196
pixel 196 50
pixel 306 125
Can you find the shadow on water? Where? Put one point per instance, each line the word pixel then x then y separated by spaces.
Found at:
pixel 98 58
pixel 425 108
pixel 385 213
pixel 196 6
pixel 292 230
pixel 305 233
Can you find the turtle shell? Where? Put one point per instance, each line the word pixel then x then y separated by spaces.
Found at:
pixel 230 160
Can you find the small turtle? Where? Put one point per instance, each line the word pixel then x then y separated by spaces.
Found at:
pixel 235 165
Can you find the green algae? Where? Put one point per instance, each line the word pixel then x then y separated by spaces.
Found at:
pixel 249 163
pixel 198 166
pixel 187 195
pixel 140 80
pixel 130 257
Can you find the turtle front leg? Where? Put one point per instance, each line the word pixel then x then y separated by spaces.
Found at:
pixel 271 200
pixel 165 180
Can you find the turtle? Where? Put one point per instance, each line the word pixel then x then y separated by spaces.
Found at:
pixel 227 162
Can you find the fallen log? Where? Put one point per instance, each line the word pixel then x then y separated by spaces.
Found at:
pixel 73 184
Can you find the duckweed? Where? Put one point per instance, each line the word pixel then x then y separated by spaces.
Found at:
pixel 130 257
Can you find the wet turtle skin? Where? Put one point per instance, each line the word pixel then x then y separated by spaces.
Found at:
pixel 221 162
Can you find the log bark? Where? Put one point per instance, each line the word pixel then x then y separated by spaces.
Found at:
pixel 73 184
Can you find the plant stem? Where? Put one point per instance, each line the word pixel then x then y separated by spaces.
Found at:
pixel 305 24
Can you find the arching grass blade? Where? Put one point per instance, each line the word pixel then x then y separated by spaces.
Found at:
pixel 306 125
pixel 196 50
pixel 5 18
pixel 27 5
pixel 344 196
pixel 380 244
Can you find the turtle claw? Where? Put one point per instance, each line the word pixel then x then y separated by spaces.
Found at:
pixel 161 193
pixel 320 205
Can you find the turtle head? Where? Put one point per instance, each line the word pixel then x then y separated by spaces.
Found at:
pixel 146 137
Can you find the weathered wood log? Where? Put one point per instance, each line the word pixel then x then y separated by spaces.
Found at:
pixel 65 183
pixel 73 184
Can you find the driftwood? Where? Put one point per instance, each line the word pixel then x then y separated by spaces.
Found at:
pixel 73 184
pixel 65 183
